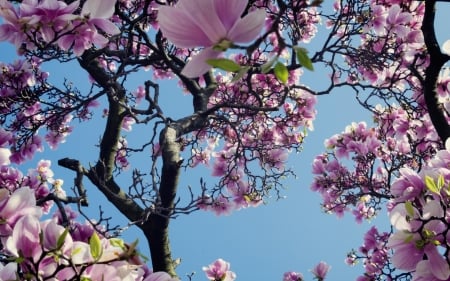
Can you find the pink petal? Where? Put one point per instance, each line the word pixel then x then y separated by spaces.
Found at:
pixel 106 26
pixel 438 265
pixel 203 13
pixel 180 29
pixel 230 11
pixel 197 65
pixel 159 276
pixel 100 9
pixel 248 28
pixel 66 42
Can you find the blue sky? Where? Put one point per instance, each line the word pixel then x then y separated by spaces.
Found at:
pixel 260 243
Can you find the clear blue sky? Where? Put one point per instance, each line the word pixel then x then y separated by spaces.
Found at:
pixel 261 243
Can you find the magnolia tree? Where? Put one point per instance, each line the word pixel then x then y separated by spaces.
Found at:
pixel 241 63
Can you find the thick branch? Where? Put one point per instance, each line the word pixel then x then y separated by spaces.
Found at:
pixel 158 234
pixel 116 96
pixel 437 61
pixel 110 189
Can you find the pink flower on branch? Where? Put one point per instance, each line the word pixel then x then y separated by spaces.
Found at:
pixel 320 270
pixel 219 270
pixel 213 24
pixel 94 14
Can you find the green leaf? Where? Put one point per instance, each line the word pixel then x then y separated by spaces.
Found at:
pixel 409 208
pixel 62 239
pixel 281 72
pixel 265 68
pixel 240 73
pixel 95 246
pixel 303 59
pixel 431 185
pixel 441 182
pixel 116 242
pixel 224 64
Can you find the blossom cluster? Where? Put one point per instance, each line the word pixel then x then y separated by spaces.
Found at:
pixel 420 216
pixel 34 24
pixel 57 247
pixel 374 254
pixel 401 138
pixel 242 137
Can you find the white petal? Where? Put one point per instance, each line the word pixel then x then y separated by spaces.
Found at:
pixel 4 156
pixel 98 9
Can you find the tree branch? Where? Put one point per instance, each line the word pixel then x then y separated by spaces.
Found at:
pixel 437 61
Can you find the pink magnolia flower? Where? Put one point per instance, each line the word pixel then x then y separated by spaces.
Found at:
pixel 321 270
pixel 24 241
pixel 219 270
pixel 95 14
pixel 292 276
pixel 213 24
pixel 53 15
pixel 12 208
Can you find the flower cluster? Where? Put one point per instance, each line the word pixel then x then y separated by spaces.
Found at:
pixel 401 139
pixel 374 254
pixel 54 248
pixel 420 217
pixel 40 23
pixel 243 137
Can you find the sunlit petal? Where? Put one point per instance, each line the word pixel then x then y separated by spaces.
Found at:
pixel 248 28
pixel 197 66
pixel 176 26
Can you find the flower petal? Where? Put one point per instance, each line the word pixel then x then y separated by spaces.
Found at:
pixel 438 265
pixel 203 13
pixel 247 28
pixel 106 26
pixel 197 65
pixel 100 9
pixel 5 153
pixel 230 11
pixel 180 29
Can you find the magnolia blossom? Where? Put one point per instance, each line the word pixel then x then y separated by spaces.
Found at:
pixel 219 270
pixel 321 270
pixel 95 14
pixel 292 276
pixel 213 24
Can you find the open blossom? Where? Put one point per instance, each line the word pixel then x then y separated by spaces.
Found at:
pixel 95 14
pixel 213 24
pixel 292 276
pixel 219 270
